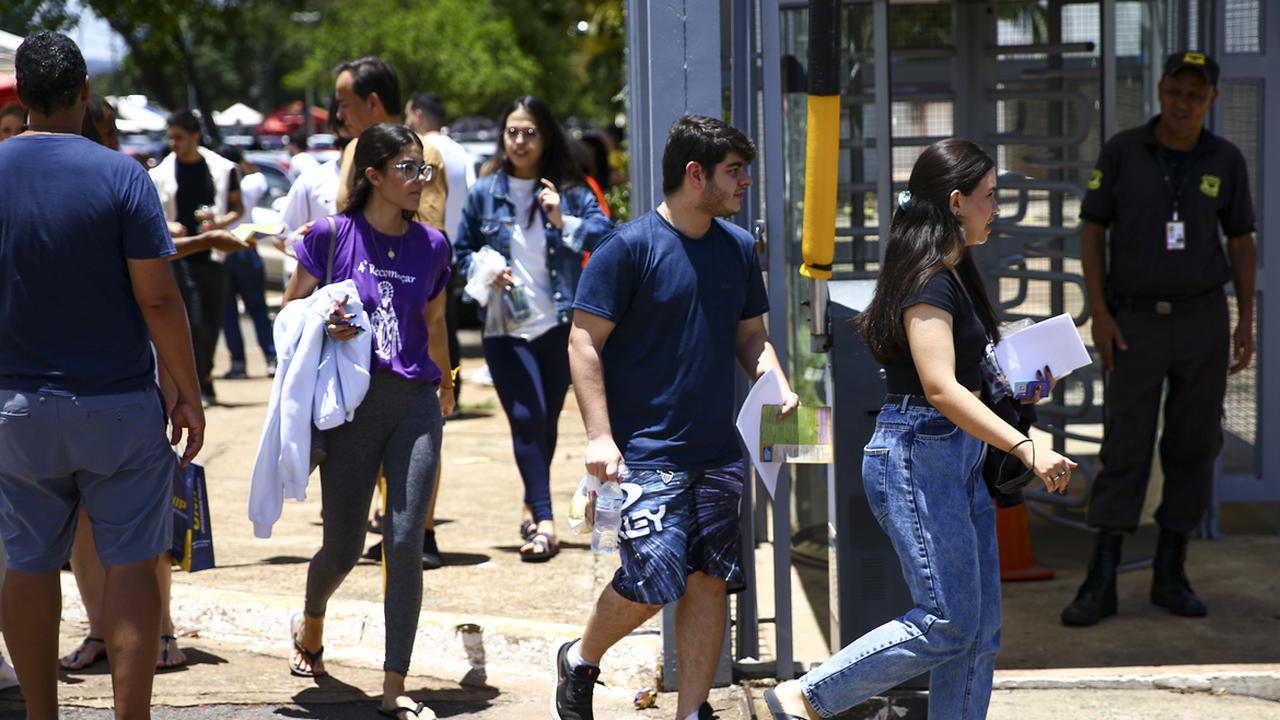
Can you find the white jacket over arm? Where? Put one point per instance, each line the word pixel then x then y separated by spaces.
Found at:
pixel 318 381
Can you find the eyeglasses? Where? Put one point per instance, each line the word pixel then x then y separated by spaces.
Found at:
pixel 412 170
pixel 529 133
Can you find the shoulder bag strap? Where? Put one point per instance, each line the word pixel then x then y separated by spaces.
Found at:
pixel 333 246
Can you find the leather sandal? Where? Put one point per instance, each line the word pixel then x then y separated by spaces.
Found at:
pixel 527 529
pixel 545 547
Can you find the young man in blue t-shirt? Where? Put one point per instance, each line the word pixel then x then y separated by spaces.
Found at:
pixel 84 253
pixel 667 304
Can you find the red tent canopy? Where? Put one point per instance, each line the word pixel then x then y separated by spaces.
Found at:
pixel 289 118
pixel 8 89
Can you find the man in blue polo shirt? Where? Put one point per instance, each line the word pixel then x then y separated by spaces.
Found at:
pixel 1161 191
pixel 666 306
pixel 87 289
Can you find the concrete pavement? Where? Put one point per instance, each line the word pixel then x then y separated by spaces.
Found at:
pixel 233 620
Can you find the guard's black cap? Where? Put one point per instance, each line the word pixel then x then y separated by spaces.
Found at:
pixel 1198 60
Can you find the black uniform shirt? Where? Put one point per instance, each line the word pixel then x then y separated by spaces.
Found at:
pixel 1128 193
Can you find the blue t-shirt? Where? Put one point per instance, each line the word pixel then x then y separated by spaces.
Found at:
pixel 71 213
pixel 669 363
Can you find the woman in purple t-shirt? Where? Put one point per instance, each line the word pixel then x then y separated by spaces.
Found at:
pixel 399 268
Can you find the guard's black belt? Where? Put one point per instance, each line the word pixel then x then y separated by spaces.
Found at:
pixel 1172 306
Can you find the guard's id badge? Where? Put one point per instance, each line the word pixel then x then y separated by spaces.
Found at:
pixel 1175 235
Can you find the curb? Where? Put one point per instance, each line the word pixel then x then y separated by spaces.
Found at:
pixel 355 634
pixel 1260 681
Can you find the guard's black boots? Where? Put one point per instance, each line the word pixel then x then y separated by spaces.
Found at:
pixel 1169 586
pixel 1097 596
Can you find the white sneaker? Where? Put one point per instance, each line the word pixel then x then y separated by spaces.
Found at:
pixel 8 678
pixel 481 376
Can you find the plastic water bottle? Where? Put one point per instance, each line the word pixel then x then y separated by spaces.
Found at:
pixel 608 515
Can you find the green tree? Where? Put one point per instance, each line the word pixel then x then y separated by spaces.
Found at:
pixel 581 70
pixel 23 17
pixel 213 52
pixel 460 49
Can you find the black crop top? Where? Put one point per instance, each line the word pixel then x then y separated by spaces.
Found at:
pixel 943 291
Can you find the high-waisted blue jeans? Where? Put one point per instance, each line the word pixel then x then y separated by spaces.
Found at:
pixel 923 477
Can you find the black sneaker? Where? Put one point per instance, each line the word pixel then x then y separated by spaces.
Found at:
pixel 431 558
pixel 574 687
pixel 374 552
pixel 705 712
pixel 237 371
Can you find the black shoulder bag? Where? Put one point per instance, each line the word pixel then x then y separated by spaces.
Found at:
pixel 1004 474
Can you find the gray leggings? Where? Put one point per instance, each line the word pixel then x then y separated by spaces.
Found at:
pixel 397 427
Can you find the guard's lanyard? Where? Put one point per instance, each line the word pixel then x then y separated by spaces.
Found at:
pixel 1167 166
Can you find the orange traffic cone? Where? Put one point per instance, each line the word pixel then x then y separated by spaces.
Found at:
pixel 1017 558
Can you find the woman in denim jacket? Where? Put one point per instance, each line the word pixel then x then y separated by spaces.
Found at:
pixel 928 324
pixel 533 207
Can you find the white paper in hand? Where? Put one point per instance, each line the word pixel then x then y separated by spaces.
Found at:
pixel 1054 342
pixel 766 391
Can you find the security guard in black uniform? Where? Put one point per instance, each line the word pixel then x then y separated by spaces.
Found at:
pixel 1160 315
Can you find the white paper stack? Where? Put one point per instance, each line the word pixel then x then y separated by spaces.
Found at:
pixel 1054 342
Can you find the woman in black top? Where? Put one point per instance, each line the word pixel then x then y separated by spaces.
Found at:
pixel 928 323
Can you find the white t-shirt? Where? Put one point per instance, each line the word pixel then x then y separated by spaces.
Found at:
pixel 529 258
pixel 253 187
pixel 314 195
pixel 461 173
pixel 302 163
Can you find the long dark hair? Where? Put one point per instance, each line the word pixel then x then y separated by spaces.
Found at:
pixel 377 146
pixel 556 163
pixel 95 111
pixel 922 236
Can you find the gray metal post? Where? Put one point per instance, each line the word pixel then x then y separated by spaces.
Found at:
pixel 673 68
pixel 884 122
pixel 1108 28
pixel 1268 195
pixel 743 87
pixel 780 276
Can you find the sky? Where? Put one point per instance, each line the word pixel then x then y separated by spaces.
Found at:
pixel 101 47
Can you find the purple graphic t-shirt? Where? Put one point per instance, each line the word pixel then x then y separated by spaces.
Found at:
pixel 396 276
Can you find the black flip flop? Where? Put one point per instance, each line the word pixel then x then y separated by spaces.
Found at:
pixel 549 548
pixel 395 712
pixel 775 707
pixel 102 655
pixel 311 657
pixel 165 641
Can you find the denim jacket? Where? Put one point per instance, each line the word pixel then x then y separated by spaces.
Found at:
pixel 488 218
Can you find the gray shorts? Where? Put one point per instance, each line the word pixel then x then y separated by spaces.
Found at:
pixel 109 451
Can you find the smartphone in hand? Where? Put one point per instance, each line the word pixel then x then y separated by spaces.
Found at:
pixel 1025 390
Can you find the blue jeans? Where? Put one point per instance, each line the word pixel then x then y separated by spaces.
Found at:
pixel 923 478
pixel 532 378
pixel 246 278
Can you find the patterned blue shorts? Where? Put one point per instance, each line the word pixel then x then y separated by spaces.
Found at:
pixel 675 524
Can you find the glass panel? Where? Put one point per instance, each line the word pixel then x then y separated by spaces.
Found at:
pixel 1193 25
pixel 1242 120
pixel 1242 20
